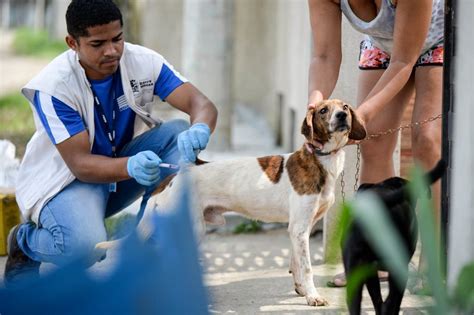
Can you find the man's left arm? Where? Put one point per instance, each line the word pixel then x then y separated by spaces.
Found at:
pixel 203 117
pixel 187 98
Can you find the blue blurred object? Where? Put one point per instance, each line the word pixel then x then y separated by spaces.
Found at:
pixel 162 276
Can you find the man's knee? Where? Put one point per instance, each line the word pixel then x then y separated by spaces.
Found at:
pixel 80 245
pixel 171 129
pixel 176 126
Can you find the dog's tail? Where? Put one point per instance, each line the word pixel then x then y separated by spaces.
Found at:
pixel 437 172
pixel 403 193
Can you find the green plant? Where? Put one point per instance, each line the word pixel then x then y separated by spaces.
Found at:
pixel 248 226
pixel 120 225
pixel 16 121
pixel 37 43
pixel 15 115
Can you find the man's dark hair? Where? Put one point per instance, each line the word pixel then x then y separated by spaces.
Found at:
pixel 82 14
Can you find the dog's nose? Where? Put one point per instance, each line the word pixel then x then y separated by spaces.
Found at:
pixel 341 116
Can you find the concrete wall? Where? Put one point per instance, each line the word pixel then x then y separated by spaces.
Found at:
pixel 255 57
pixel 58 29
pixel 272 50
pixel 461 233
pixel 162 28
pixel 208 56
pixel 293 56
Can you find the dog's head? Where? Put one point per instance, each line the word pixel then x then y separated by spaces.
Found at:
pixel 332 123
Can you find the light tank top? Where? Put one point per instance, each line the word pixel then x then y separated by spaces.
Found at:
pixel 380 29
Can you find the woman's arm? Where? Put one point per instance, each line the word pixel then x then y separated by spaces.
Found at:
pixel 412 22
pixel 325 19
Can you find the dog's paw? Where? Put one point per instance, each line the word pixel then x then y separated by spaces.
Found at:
pixel 316 301
pixel 103 246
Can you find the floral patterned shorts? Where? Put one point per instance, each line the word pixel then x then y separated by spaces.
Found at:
pixel 371 57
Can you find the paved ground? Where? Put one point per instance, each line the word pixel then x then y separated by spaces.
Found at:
pixel 248 274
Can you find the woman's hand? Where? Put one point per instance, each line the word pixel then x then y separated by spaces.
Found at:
pixel 315 97
pixel 362 117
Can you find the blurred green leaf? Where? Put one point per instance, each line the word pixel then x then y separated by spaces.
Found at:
pixel 358 276
pixel 384 238
pixel 463 294
pixel 430 240
pixel 337 234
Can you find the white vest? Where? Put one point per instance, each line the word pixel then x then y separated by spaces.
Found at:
pixel 43 173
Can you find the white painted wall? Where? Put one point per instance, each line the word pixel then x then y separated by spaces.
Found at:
pixel 461 221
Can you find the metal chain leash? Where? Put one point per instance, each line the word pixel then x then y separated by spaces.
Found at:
pixel 377 135
pixel 402 127
pixel 356 176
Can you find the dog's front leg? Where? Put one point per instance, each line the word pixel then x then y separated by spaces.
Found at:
pixel 300 264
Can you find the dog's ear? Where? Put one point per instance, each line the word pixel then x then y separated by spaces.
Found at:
pixel 358 131
pixel 307 125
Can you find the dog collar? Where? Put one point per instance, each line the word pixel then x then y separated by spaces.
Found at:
pixel 313 150
pixel 321 153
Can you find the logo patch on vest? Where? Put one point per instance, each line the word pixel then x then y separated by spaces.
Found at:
pixel 146 83
pixel 134 85
pixel 122 103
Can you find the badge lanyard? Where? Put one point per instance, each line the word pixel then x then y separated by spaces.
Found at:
pixel 109 128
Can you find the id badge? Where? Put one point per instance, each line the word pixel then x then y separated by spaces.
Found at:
pixel 113 187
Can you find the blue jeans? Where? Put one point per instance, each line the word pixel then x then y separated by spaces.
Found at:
pixel 72 223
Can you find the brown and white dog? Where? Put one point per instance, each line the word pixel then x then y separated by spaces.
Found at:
pixel 298 187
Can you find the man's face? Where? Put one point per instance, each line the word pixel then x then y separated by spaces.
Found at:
pixel 100 52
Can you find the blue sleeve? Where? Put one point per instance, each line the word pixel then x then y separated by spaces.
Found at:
pixel 167 82
pixel 59 120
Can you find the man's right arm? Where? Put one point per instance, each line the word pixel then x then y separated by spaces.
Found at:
pixel 325 18
pixel 94 168
pixel 67 132
pixel 89 167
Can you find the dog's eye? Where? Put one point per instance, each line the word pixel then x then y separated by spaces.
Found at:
pixel 345 107
pixel 323 110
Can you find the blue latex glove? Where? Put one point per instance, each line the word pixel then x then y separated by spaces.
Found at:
pixel 143 166
pixel 193 140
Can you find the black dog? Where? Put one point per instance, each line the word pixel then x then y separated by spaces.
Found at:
pixel 357 252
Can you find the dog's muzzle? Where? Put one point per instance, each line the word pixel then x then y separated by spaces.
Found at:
pixel 341 122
